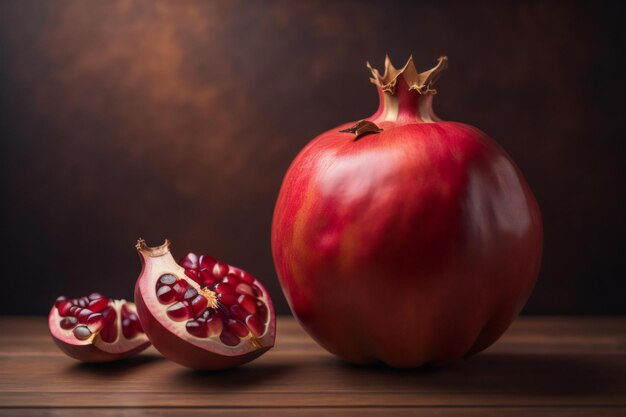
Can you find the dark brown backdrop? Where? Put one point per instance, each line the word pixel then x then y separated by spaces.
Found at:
pixel 178 119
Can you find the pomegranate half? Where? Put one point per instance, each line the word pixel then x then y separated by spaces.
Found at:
pixel 96 329
pixel 203 314
pixel 403 238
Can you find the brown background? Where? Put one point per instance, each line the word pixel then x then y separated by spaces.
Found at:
pixel 178 119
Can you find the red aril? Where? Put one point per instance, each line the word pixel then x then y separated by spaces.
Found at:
pixel 403 238
pixel 96 329
pixel 202 313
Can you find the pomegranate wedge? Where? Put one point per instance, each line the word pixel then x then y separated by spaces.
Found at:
pixel 96 329
pixel 202 313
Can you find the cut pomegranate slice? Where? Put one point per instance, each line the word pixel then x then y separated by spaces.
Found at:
pixel 202 313
pixel 96 329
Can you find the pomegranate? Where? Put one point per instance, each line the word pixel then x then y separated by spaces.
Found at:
pixel 203 313
pixel 403 238
pixel 96 329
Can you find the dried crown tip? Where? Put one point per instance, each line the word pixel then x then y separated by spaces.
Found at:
pixel 143 247
pixel 421 82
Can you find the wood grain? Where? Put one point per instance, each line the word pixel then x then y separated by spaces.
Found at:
pixel 573 366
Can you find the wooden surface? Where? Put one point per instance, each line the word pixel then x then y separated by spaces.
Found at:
pixel 543 366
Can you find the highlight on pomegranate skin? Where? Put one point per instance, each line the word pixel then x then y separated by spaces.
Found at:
pixel 96 328
pixel 202 313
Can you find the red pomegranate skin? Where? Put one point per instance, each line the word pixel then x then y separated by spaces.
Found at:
pixel 90 353
pixel 186 354
pixel 419 244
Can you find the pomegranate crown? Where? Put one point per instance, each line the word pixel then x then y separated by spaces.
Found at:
pixel 421 82
pixel 154 251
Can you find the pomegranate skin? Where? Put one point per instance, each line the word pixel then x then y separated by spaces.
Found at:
pixel 186 354
pixel 90 353
pixel 418 244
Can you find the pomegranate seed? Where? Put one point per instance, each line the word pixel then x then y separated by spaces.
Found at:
pixel 59 300
pixel 95 296
pixel 247 278
pixel 64 308
pixel 126 327
pixel 74 310
pixel 237 328
pixel 109 332
pixel 198 305
pixel 222 310
pixel 261 311
pixel 190 261
pixel 220 270
pixel 166 295
pixel 83 302
pixel 98 304
pixel 223 288
pixel 109 315
pixel 95 322
pixel 180 288
pixel 178 311
pixel 229 339
pixel 255 326
pixel 82 333
pixel 236 271
pixel 193 274
pixel 248 303
pixel 245 289
pixel 207 277
pixel 214 325
pixel 95 317
pixel 190 294
pixel 238 312
pixel 68 323
pixel 207 262
pixel 166 279
pixel 136 323
pixel 232 280
pixel 84 315
pixel 128 330
pixel 196 328
pixel 227 299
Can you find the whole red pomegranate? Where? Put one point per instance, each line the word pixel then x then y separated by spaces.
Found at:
pixel 403 238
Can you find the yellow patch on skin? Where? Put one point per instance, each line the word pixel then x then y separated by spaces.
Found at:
pixel 298 247
pixel 296 254
pixel 349 247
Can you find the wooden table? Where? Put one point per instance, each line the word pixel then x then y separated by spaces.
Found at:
pixel 543 366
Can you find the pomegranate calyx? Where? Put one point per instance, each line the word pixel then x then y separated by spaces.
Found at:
pixel 152 251
pixel 362 128
pixel 420 82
